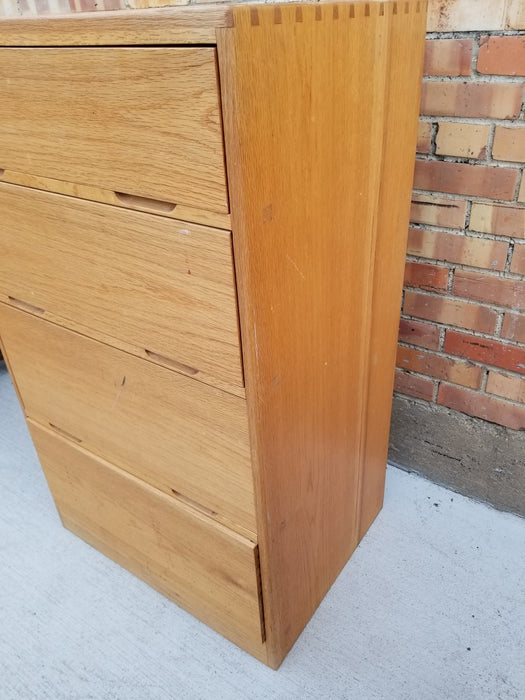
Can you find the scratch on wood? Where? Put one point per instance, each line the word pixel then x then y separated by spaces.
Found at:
pixel 119 392
pixel 255 341
pixel 295 265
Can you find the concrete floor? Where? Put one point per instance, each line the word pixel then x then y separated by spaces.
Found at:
pixel 431 606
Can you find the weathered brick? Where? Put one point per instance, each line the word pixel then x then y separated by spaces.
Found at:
pixel 515 15
pixel 457 248
pixel 482 406
pixel 411 385
pixel 439 367
pixel 462 178
pixel 44 7
pixel 473 100
pixel 453 312
pixel 424 137
pixel 465 15
pixel 462 140
pixel 438 211
pixel 517 264
pixel 490 352
pixel 448 57
pixel 506 385
pixel 424 276
pixel 425 335
pixel 514 327
pixel 501 55
pixel 496 219
pixel 490 289
pixel 8 9
pixel 521 195
pixel 509 143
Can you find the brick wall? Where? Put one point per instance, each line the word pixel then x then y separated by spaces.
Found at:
pixel 462 331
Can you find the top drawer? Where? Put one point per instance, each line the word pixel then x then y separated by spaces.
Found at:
pixel 139 121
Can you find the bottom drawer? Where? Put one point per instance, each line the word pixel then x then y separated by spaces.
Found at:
pixel 201 565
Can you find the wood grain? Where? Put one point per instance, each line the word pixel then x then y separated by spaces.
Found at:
pixel 407 44
pixel 158 288
pixel 305 105
pixel 175 25
pixel 97 194
pixel 142 121
pixel 203 567
pixel 320 107
pixel 183 437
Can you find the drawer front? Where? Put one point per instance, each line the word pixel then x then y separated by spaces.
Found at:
pixel 159 288
pixel 203 567
pixel 140 121
pixel 184 437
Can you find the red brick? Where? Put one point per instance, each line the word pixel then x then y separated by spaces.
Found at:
pixel 424 140
pixel 499 220
pixel 508 386
pixel 450 311
pixel 501 55
pixel 448 56
pixel 490 289
pixel 482 406
pixel 509 144
pixel 462 178
pixel 418 387
pixel 472 100
pixel 457 248
pixel 439 367
pixel 431 277
pixel 485 350
pixel 517 264
pixel 438 211
pixel 425 335
pixel 514 327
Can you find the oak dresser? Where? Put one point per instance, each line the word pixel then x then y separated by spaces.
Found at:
pixel 202 236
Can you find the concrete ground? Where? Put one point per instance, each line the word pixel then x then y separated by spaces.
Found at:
pixel 431 606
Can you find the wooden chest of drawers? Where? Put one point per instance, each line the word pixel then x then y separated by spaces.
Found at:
pixel 202 240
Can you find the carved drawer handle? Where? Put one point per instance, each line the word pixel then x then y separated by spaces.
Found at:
pixel 24 306
pixel 132 200
pixel 168 362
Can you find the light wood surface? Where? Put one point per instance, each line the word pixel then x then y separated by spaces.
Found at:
pixel 175 25
pixel 407 43
pixel 143 121
pixel 183 437
pixel 320 104
pixel 304 102
pixel 97 194
pixel 166 290
pixel 203 567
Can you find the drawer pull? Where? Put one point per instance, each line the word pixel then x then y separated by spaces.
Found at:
pixel 171 363
pixel 65 434
pixel 24 306
pixel 132 200
pixel 193 504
